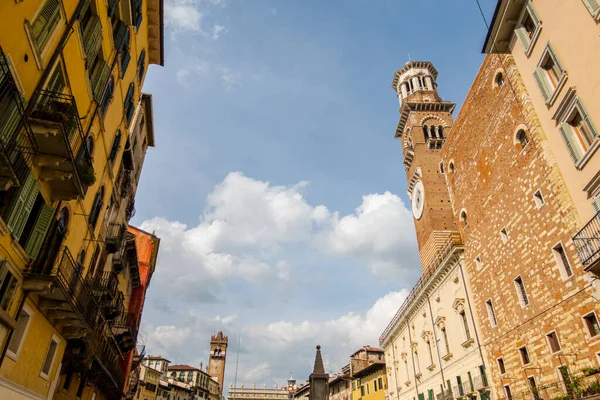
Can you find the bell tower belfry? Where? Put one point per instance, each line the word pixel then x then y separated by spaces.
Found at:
pixel 217 357
pixel 425 121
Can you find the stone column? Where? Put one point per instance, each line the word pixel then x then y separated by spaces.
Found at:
pixel 319 380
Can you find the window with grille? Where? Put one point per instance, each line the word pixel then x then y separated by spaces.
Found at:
pixel 561 259
pixel 491 314
pixel 521 293
pixel 591 323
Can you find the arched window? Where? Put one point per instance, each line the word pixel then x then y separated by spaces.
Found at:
pixel 89 145
pixel 463 218
pixel 522 138
pixel 190 376
pixel 451 167
pixel 442 167
pixel 440 132
pixel 96 207
pixel 499 79
pixel 426 131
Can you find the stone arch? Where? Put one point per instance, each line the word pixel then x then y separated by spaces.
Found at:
pixel 435 117
pixel 499 78
pixel 517 140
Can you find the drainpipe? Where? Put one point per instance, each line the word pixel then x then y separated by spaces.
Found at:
pixel 412 356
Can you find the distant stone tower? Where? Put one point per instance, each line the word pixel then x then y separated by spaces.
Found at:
pixel 217 357
pixel 425 121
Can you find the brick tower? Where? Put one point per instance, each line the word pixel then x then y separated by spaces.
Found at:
pixel 425 121
pixel 217 357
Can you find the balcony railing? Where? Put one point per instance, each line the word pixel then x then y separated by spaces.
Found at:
pixel 125 329
pixel 105 287
pixel 114 236
pixel 132 259
pixel 74 301
pixel 587 243
pixel 111 378
pixel 64 162
pixel 16 143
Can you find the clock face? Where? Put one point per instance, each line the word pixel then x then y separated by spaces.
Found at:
pixel 418 199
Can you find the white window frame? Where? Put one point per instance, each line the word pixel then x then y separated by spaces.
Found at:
pixel 529 386
pixel 524 298
pixel 548 90
pixel 539 201
pixel 557 340
pixel 42 373
pixel 559 262
pixel 29 311
pixel 507 391
pixel 528 42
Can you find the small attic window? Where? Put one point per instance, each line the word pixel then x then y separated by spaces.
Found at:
pixel 451 167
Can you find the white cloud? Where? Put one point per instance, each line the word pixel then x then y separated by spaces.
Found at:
pixel 230 78
pixel 183 15
pixel 247 226
pixel 217 30
pixel 196 67
pixel 273 11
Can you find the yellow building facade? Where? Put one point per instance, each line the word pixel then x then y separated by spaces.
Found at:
pixel 71 74
pixel 370 383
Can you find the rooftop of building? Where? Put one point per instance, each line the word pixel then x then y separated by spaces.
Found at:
pixel 183 367
pixel 376 366
pixel 159 357
pixel 368 348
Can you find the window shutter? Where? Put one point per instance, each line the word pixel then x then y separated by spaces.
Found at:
pixel 125 59
pixel 555 58
pixel 44 23
pixel 57 81
pixel 83 7
pixel 491 315
pixel 593 7
pixel 42 223
pixel 108 94
pixel 533 14
pixel 522 36
pixel 8 284
pixel 596 204
pixel 129 97
pixel 421 396
pixel 21 206
pixel 92 40
pixel 540 79
pixel 115 147
pixel 141 65
pixel 587 119
pixel 574 152
pixel 100 79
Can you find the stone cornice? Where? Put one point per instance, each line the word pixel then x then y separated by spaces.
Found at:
pixel 413 64
pixel 409 106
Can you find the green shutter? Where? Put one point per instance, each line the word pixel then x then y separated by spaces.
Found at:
pixel 8 284
pixel 587 119
pixel 100 78
pixel 92 40
pixel 522 36
pixel 470 381
pixel 542 82
pixel 83 7
pixel 20 208
pixel 421 396
pixel 555 58
pixel 45 22
pixel 57 81
pixel 533 14
pixel 596 204
pixel 593 7
pixel 42 223
pixel 430 394
pixel 574 152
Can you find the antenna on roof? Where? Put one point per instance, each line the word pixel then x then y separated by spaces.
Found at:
pixel 408 56
pixel 237 360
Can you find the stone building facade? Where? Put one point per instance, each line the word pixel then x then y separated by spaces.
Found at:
pixel 535 302
pixel 431 345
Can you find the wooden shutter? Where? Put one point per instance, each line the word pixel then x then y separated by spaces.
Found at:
pixel 100 78
pixel 596 204
pixel 108 93
pixel 125 59
pixel 21 205
pixel 542 82
pixel 566 133
pixel 83 7
pixel 8 283
pixel 57 81
pixel 522 36
pixel 42 223
pixel 421 396
pixel 593 7
pixel 533 14
pixel 45 22
pixel 92 40
pixel 586 117
pixel 141 65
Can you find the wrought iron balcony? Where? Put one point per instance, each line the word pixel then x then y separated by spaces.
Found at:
pixel 105 287
pixel 111 310
pixel 130 254
pixel 114 236
pixel 107 363
pixel 65 298
pixel 63 159
pixel 16 144
pixel 587 243
pixel 125 330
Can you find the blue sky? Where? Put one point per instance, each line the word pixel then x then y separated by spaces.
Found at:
pixel 276 185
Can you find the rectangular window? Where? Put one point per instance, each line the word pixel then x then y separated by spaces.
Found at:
pixel 20 332
pixel 491 313
pixel 460 386
pixel 380 380
pixel 430 394
pixel 533 387
pixel 501 366
pixel 591 323
pixel 553 342
pixel 528 28
pixel 8 283
pixel 50 355
pixel 367 385
pixel 524 355
pixel 43 25
pixel 521 293
pixel 507 392
pixel 561 259
pixel 375 386
pixel 362 391
pixel 417 364
pixel 593 7
pixel 463 318
pixel 549 74
pixel 578 132
pixel 446 344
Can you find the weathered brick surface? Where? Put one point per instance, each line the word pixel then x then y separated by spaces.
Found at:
pixel 494 181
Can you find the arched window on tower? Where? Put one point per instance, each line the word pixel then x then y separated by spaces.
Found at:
pixel 463 218
pixel 522 138
pixel 440 131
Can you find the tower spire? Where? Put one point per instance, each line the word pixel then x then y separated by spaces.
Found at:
pixel 318 368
